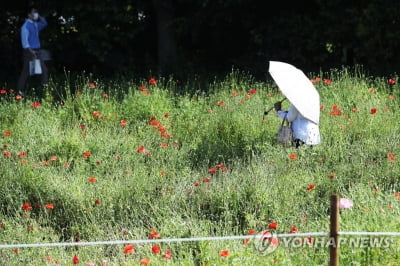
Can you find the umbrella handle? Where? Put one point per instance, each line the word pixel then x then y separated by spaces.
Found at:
pixel 270 109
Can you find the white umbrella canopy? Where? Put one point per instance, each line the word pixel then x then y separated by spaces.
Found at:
pixel 297 88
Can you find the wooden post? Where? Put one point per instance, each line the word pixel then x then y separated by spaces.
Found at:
pixel 334 231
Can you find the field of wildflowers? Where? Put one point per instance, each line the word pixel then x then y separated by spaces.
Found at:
pixel 136 160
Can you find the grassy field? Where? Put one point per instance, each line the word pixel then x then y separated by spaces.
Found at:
pixel 135 160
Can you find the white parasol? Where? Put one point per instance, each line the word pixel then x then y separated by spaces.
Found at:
pixel 298 88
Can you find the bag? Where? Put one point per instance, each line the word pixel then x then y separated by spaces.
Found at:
pixel 285 133
pixel 34 67
pixel 44 55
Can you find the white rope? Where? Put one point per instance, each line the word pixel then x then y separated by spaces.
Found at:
pixel 149 241
pixel 176 240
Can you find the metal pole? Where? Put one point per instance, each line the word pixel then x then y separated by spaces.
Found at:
pixel 334 231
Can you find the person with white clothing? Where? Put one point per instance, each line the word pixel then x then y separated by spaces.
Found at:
pixel 304 131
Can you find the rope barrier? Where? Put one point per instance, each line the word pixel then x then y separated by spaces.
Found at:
pixel 177 240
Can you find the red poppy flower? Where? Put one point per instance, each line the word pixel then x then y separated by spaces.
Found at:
pixel 207 180
pixel 166 135
pixel 142 88
pixel 21 154
pixel 123 123
pixel 18 97
pixel 152 81
pixel 391 157
pixel 224 253
pixel 391 81
pixel 371 90
pixel 155 249
pixel 92 85
pixel 92 179
pixel 252 91
pixel 161 129
pixel 154 123
pixel 162 173
pixel 7 133
pixel 163 145
pixel 141 149
pixel 221 165
pixel 7 154
pixel 96 114
pixel 86 154
pixel 153 234
pixel 167 254
pixel 129 249
pixel 310 240
pixel 16 251
pixel 373 111
pixel 268 236
pixel 322 107
pixel 212 170
pixel 273 225
pixel 293 230
pixel 355 110
pixel 105 96
pixel 26 206
pixel 3 91
pixel 97 202
pixel 331 175
pixel 327 81
pixel 220 103
pixel 293 156
pixel 196 184
pixel 36 105
pixel 251 232
pixel 75 260
pixel 49 206
pixel 310 187
pixel 166 115
pixel 145 261
pixel 335 112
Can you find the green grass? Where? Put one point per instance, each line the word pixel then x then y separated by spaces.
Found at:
pixel 138 192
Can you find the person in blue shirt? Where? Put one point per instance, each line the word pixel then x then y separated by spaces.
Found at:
pixel 31 46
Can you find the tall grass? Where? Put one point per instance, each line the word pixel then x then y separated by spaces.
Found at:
pixel 170 185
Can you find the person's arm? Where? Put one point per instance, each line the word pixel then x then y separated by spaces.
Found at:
pixel 291 115
pixel 24 38
pixel 42 23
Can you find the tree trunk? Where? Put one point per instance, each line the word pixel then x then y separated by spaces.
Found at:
pixel 167 55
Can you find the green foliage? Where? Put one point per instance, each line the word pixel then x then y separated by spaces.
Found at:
pixel 171 186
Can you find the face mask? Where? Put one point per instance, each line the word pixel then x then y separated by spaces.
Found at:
pixel 35 15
